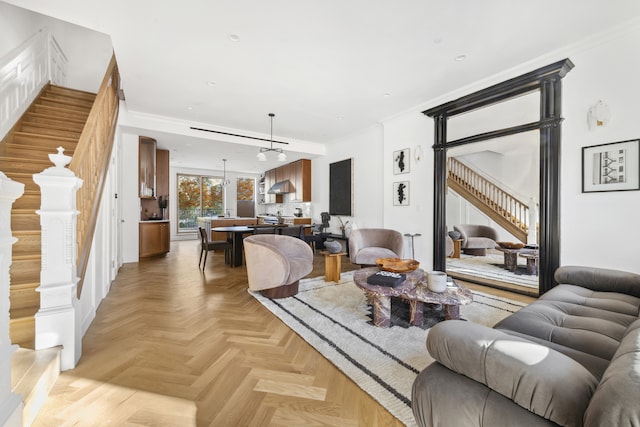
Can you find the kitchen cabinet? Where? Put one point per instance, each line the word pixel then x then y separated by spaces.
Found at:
pixel 269 180
pixel 150 207
pixel 298 173
pixel 154 238
pixel 300 176
pixel 146 167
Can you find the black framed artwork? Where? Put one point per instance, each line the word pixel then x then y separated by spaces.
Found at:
pixel 401 161
pixel 341 187
pixel 611 167
pixel 401 193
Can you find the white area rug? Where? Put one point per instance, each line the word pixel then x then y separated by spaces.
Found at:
pixel 335 319
pixel 491 267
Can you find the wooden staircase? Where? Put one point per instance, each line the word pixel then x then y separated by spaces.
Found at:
pixel 503 208
pixel 56 118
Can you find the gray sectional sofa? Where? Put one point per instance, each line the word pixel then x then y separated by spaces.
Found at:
pixel 572 358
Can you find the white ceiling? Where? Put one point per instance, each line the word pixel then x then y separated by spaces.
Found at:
pixel 326 68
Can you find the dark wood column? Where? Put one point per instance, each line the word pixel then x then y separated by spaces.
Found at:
pixel 440 187
pixel 550 136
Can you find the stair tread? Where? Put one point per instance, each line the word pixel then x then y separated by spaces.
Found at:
pixel 29 368
pixel 23 314
pixel 67 120
pixel 45 136
pixel 13 159
pixel 62 89
pixel 26 256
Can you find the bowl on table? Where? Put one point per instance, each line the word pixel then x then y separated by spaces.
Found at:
pixel 397 265
pixel 511 245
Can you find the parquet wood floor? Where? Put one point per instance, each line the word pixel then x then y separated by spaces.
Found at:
pixel 172 346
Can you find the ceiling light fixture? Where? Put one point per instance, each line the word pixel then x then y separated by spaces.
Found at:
pixel 460 58
pixel 262 156
pixel 225 181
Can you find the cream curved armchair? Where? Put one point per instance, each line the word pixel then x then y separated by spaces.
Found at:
pixel 368 244
pixel 275 264
pixel 476 239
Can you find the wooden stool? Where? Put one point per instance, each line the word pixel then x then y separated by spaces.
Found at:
pixel 332 265
pixel 456 248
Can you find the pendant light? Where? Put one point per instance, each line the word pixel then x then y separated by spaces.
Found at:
pixel 262 156
pixel 225 181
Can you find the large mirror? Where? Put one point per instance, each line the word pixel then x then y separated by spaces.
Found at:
pixel 506 125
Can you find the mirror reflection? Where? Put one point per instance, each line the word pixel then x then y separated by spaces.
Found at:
pixel 492 211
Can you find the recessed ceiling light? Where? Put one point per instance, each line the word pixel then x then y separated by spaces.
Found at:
pixel 234 37
pixel 189 107
pixel 460 58
pixel 211 83
pixel 386 95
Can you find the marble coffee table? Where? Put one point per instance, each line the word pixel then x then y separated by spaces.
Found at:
pixel 414 290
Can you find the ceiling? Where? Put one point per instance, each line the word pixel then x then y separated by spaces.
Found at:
pixel 326 69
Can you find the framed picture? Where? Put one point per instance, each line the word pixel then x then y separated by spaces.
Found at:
pixel 611 167
pixel 401 193
pixel 401 161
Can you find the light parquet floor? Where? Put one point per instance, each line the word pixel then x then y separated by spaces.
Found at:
pixel 171 346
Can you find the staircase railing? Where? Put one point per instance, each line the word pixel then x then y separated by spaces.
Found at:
pixel 513 213
pixel 91 161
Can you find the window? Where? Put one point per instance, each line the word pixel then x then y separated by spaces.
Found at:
pixel 198 196
pixel 245 199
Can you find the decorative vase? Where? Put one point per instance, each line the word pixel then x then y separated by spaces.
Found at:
pixel 332 246
pixel 455 235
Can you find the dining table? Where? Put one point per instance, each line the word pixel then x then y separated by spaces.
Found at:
pixel 235 234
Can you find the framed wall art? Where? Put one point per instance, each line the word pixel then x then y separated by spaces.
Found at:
pixel 401 193
pixel 401 161
pixel 611 167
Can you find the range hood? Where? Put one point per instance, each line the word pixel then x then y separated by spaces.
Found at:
pixel 281 187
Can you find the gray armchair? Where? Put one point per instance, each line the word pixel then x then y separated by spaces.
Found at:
pixel 275 264
pixel 368 244
pixel 476 239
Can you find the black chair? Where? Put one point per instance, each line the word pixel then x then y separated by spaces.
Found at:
pixel 315 239
pixel 264 229
pixel 216 245
pixel 292 230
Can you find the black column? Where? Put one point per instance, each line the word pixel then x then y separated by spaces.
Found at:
pixel 550 137
pixel 440 190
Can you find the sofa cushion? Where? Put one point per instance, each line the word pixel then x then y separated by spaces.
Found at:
pixel 615 402
pixel 577 318
pixel 537 378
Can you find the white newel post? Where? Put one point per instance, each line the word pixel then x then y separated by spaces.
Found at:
pixel 58 320
pixel 10 403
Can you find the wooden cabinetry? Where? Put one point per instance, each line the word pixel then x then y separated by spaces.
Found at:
pixel 269 180
pixel 146 167
pixel 154 238
pixel 298 173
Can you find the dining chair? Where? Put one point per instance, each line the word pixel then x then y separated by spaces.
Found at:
pixel 215 245
pixel 292 230
pixel 264 229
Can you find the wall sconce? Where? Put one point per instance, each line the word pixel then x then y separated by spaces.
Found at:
pixel 598 115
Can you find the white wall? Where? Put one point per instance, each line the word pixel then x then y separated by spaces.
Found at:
pixel 411 130
pixel 600 229
pixel 87 51
pixel 597 229
pixel 365 148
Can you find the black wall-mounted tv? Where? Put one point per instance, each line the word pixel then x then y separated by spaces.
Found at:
pixel 340 188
